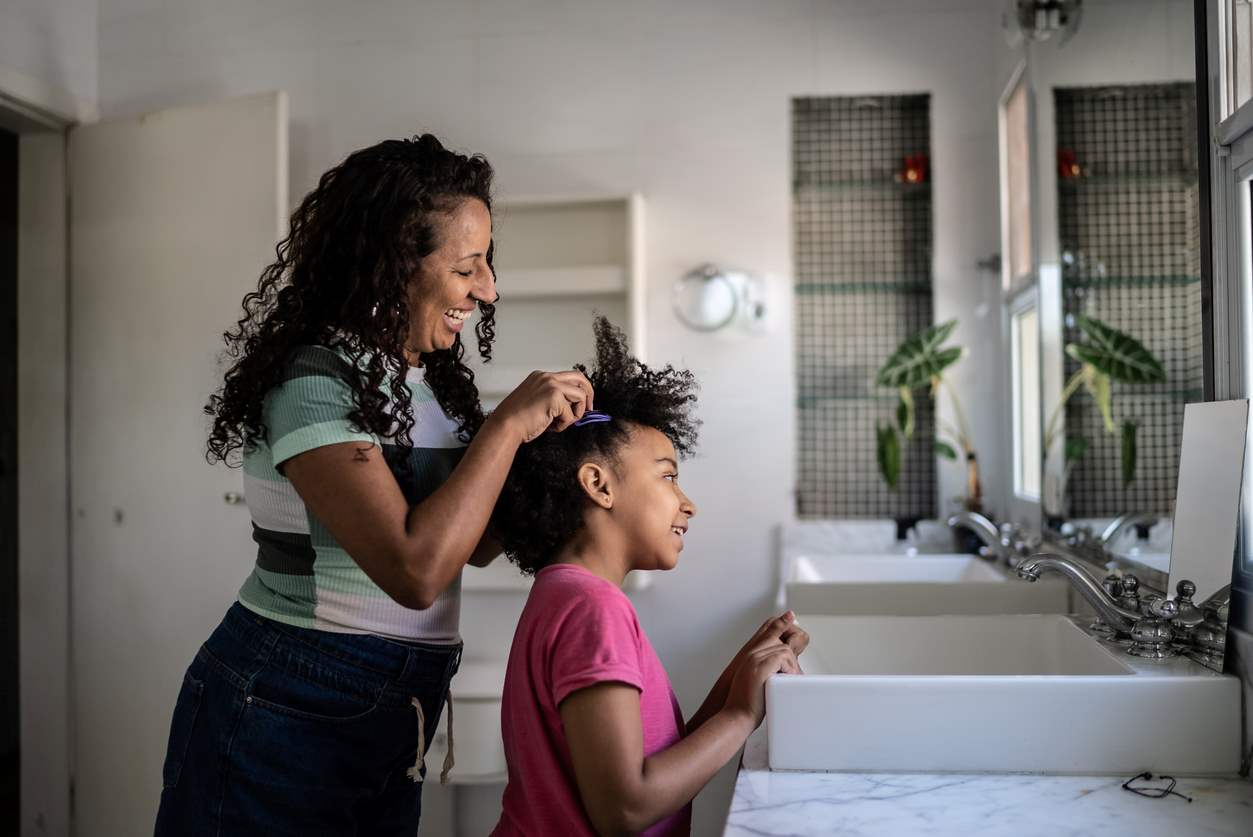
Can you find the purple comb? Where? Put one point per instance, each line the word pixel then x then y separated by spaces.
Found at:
pixel 593 417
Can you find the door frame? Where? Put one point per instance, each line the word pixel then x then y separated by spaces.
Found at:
pixel 36 114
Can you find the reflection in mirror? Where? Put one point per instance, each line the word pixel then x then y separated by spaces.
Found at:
pixel 1119 243
pixel 1025 360
pixel 1016 172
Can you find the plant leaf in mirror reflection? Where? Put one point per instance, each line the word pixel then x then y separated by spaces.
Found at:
pixel 905 412
pixel 1129 428
pixel 888 453
pixel 1116 354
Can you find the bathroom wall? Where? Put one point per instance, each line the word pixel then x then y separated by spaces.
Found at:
pixel 48 54
pixel 687 103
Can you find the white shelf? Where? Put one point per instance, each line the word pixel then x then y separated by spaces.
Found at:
pixel 590 280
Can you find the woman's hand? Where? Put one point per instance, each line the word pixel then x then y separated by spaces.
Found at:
pixel 546 401
pixel 747 694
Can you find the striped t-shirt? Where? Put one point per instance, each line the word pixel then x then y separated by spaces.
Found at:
pixel 303 576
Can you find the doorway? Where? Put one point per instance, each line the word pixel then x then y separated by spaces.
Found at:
pixel 9 726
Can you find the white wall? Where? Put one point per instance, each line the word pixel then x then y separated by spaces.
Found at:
pixel 687 103
pixel 48 54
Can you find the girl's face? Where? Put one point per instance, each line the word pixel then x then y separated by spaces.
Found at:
pixel 453 279
pixel 649 505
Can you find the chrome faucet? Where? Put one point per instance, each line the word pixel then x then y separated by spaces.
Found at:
pixel 1146 620
pixel 984 529
pixel 1120 618
pixel 1120 523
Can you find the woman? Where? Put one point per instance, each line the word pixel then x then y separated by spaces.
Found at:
pixel 309 709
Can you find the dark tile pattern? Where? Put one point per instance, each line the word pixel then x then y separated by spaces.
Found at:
pixel 1130 247
pixel 863 283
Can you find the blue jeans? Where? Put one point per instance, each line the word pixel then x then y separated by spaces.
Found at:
pixel 285 731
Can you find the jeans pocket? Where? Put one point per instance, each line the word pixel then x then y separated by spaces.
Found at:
pixel 186 708
pixel 312 695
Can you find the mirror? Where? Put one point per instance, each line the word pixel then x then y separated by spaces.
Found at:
pixel 1208 507
pixel 1110 217
pixel 1059 396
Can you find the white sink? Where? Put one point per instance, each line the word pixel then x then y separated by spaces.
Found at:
pixel 924 585
pixel 1025 693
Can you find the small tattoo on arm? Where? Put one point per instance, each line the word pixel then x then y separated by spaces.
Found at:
pixel 360 455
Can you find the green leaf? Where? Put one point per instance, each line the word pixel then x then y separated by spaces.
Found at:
pixel 920 359
pixel 1076 447
pixel 1118 355
pixel 888 453
pixel 944 449
pixel 905 412
pixel 1129 429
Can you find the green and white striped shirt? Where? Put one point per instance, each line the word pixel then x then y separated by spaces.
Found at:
pixel 303 576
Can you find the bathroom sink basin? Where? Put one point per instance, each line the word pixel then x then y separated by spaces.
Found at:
pixel 923 585
pixel 994 693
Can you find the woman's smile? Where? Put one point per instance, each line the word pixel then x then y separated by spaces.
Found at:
pixel 455 318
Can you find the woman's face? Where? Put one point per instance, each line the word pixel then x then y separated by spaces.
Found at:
pixel 452 279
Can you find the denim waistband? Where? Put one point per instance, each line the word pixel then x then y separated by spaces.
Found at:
pixel 397 661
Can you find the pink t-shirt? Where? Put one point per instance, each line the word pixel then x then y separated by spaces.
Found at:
pixel 576 630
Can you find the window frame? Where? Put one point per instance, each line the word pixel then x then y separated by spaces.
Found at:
pixel 1226 140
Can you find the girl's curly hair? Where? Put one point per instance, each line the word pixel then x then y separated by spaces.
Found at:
pixel 541 505
pixel 340 279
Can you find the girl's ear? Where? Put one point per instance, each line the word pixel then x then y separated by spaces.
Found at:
pixel 594 479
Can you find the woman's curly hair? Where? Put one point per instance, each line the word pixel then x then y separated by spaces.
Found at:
pixel 340 279
pixel 541 506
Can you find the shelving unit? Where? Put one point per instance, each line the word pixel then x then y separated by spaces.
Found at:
pixel 559 261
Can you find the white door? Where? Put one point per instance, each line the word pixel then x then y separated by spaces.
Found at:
pixel 173 215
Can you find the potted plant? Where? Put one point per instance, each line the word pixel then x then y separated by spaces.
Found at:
pixel 1106 355
pixel 919 363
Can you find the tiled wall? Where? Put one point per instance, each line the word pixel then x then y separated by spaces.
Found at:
pixel 1130 240
pixel 862 240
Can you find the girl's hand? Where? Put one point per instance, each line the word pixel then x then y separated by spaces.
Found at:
pixel 748 685
pixel 545 401
pixel 782 627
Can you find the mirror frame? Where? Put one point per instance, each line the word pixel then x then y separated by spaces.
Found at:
pixel 1226 179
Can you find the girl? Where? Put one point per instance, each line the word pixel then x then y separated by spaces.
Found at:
pixel 594 737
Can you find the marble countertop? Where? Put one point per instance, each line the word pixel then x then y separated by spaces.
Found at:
pixel 965 805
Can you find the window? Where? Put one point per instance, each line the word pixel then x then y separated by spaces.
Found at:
pixel 1016 221
pixel 1025 346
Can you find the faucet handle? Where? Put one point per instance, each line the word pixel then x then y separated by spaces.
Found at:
pixel 1112 585
pixel 1160 607
pixel 1130 596
pixel 1189 615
